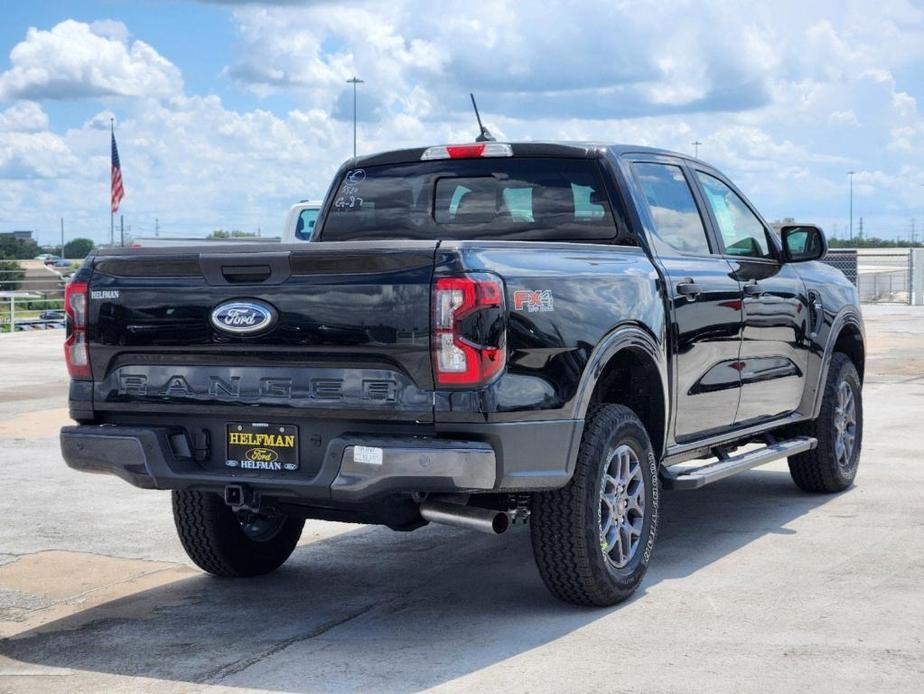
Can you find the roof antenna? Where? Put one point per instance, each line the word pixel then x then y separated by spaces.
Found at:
pixel 485 134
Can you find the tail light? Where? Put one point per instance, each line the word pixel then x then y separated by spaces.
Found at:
pixel 469 335
pixel 76 351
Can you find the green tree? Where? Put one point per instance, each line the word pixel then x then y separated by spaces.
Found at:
pixel 234 234
pixel 18 250
pixel 10 275
pixel 77 248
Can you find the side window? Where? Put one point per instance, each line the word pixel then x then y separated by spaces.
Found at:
pixel 673 209
pixel 304 228
pixel 742 232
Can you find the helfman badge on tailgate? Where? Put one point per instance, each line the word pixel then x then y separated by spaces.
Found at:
pixel 243 317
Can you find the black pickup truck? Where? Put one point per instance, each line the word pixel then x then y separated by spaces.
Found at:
pixel 478 335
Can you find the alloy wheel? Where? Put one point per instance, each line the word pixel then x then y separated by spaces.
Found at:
pixel 845 425
pixel 622 506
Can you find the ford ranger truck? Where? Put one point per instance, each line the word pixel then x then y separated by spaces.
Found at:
pixel 477 335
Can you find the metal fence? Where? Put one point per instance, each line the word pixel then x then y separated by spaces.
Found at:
pixel 845 260
pixel 31 298
pixel 884 276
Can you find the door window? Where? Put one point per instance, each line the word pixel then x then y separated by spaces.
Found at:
pixel 673 209
pixel 743 234
pixel 304 228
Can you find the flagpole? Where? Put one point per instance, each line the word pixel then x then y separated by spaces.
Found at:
pixel 111 213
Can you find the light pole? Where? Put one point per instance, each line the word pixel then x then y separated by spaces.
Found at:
pixel 851 173
pixel 696 145
pixel 354 81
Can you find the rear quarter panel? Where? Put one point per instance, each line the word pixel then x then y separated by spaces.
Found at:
pixel 589 291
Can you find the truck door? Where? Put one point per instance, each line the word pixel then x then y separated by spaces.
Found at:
pixel 704 301
pixel 774 350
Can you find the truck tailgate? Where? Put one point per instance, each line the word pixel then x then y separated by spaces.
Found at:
pixel 349 333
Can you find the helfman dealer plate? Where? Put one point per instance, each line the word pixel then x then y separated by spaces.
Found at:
pixel 270 447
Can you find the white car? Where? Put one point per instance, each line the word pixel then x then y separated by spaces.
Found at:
pixel 300 221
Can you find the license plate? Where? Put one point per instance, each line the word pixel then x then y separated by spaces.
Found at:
pixel 268 447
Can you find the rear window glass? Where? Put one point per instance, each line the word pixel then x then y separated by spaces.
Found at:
pixel 490 198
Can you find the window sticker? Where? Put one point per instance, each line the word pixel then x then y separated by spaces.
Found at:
pixel 348 198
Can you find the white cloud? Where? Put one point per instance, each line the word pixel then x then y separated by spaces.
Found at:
pixel 29 155
pixel 24 116
pixel 75 60
pixel 848 118
pixel 785 97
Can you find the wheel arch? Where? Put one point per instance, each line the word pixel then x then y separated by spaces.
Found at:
pixel 847 336
pixel 629 368
pixel 850 341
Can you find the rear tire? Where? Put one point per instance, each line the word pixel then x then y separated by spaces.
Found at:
pixel 593 538
pixel 832 465
pixel 217 541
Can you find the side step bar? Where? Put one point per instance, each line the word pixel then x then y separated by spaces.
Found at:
pixel 694 478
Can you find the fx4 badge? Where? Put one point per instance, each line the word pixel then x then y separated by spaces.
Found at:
pixel 533 300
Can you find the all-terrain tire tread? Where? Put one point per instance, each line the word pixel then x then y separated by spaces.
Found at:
pixel 560 546
pixel 816 470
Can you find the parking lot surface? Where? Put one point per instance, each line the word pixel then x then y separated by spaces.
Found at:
pixel 754 585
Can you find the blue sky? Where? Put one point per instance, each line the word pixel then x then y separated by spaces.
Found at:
pixel 230 111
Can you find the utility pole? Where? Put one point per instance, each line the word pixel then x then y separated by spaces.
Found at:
pixel 354 81
pixel 696 145
pixel 156 227
pixel 913 232
pixel 122 229
pixel 62 236
pixel 851 173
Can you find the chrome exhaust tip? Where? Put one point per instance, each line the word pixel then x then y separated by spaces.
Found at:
pixel 481 519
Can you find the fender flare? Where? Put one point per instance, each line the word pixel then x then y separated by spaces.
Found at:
pixel 848 315
pixel 626 336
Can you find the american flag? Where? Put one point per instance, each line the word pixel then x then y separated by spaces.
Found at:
pixel 118 192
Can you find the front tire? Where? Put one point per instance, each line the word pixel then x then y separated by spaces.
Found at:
pixel 832 465
pixel 220 543
pixel 593 538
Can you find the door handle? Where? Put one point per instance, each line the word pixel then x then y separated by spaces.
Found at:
pixel 688 288
pixel 753 289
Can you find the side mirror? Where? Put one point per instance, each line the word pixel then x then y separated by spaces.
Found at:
pixel 803 242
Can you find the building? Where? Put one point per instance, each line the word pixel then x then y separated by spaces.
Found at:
pixel 21 236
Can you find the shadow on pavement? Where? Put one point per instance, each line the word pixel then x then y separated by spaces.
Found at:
pixel 372 609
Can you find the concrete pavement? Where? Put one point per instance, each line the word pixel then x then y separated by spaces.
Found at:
pixel 753 586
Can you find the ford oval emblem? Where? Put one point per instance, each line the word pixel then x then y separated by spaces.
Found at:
pixel 243 317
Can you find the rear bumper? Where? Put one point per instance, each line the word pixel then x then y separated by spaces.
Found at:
pixel 486 458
